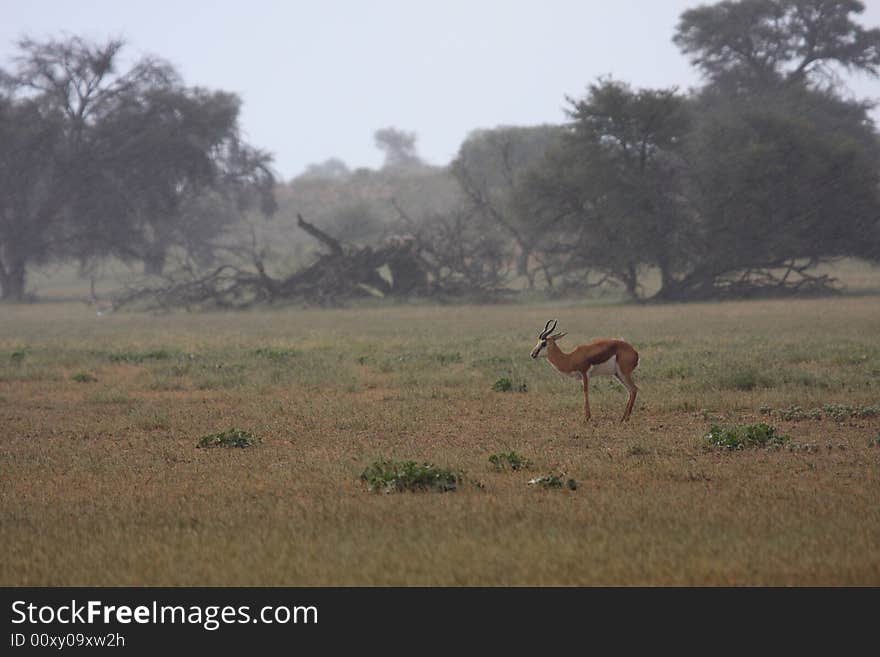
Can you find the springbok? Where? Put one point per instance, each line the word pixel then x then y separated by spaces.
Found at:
pixel 599 358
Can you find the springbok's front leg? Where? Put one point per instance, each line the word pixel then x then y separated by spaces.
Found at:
pixel 587 414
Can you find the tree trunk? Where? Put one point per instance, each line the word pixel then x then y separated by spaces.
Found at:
pixel 667 281
pixel 631 281
pixel 522 265
pixel 691 287
pixel 154 264
pixel 12 281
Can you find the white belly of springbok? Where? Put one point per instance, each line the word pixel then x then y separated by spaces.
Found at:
pixel 608 368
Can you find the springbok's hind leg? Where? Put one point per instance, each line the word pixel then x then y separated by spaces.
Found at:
pixel 587 413
pixel 630 385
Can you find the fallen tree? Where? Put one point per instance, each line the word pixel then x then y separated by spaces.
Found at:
pixel 410 265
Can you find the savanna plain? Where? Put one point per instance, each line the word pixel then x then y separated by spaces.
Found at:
pixel 102 481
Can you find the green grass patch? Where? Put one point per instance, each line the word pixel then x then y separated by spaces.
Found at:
pixel 506 385
pixel 389 476
pixel 844 412
pixel 445 358
pixel 275 354
pixel 509 461
pixel 232 438
pixel 838 412
pixel 141 356
pixel 745 436
pixel 83 377
pixel 793 413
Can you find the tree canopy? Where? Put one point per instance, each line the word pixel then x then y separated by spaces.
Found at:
pixel 770 40
pixel 104 161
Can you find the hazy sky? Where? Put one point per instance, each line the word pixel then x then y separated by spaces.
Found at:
pixel 319 78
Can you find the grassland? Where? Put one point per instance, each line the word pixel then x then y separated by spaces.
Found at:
pixel 101 481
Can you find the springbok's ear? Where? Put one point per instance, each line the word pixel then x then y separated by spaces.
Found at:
pixel 558 336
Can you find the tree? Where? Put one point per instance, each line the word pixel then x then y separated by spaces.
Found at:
pixel 783 172
pixel 58 86
pixel 491 168
pixel 399 148
pixel 613 184
pixel 158 155
pixel 32 189
pixel 330 169
pixel 763 41
pixel 779 182
pixel 131 152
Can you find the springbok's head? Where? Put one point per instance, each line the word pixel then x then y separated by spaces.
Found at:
pixel 545 336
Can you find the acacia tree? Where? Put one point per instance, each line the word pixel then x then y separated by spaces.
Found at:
pixel 614 182
pixel 779 183
pixel 765 41
pixel 783 172
pixel 130 151
pixel 32 189
pixel 159 157
pixel 491 169
pixel 399 148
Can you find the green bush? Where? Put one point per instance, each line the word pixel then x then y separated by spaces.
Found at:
pixel 554 481
pixel 83 377
pixel 506 385
pixel 232 438
pixel 838 412
pixel 796 413
pixel 140 356
pixel 743 436
pixel 842 411
pixel 510 460
pixel 271 353
pixel 389 476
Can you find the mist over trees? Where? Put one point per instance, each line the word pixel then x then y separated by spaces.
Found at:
pixel 741 187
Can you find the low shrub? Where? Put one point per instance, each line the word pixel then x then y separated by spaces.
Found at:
pixel 842 411
pixel 744 436
pixel 506 385
pixel 271 353
pixel 837 412
pixel 232 438
pixel 389 476
pixel 554 481
pixel 140 356
pixel 509 460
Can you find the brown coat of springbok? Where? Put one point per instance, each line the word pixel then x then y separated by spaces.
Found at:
pixel 615 358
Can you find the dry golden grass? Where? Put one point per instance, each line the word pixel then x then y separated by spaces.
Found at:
pixel 101 482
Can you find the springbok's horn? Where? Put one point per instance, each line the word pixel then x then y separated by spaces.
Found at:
pixel 548 329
